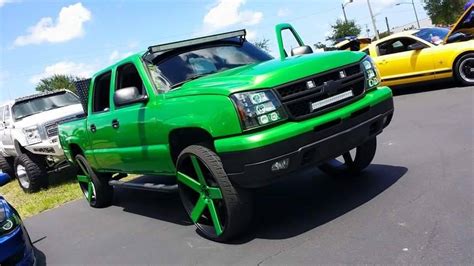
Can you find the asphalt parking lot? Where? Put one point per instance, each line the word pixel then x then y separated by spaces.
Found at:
pixel 414 204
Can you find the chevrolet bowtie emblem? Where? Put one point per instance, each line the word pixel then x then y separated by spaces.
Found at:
pixel 310 84
pixel 342 74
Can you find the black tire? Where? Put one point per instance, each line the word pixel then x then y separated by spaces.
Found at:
pixel 234 207
pixel 463 69
pixel 31 174
pixel 103 192
pixel 352 165
pixel 7 164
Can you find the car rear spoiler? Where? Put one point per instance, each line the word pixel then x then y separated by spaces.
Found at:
pixel 82 88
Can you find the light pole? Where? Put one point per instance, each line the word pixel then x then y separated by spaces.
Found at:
pixel 373 21
pixel 414 9
pixel 344 4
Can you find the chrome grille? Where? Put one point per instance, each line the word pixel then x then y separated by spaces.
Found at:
pixel 298 96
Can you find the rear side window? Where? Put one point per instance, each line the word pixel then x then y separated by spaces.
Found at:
pixel 101 98
pixel 127 76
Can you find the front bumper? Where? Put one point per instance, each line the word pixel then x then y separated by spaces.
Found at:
pixel 49 146
pixel 340 131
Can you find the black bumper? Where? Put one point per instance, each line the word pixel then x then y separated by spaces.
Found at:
pixel 252 168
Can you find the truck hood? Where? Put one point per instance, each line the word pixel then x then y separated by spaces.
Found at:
pixel 267 74
pixel 50 116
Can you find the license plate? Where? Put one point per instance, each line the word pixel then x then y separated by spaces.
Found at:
pixel 330 100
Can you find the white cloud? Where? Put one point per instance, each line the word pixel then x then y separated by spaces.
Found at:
pixel 3 2
pixel 64 68
pixel 283 12
pixel 251 35
pixel 116 55
pixel 227 13
pixel 68 25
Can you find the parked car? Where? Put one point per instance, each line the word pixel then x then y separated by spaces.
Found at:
pixel 427 54
pixel 15 244
pixel 29 147
pixel 224 117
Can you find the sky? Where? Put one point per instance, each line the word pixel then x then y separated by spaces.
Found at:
pixel 39 38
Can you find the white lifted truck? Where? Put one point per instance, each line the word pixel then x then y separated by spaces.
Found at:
pixel 29 147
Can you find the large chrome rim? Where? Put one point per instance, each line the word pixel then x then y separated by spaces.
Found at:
pixel 22 176
pixel 466 69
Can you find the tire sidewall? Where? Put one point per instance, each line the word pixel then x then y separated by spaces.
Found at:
pixel 458 70
pixel 35 174
pixel 103 192
pixel 7 166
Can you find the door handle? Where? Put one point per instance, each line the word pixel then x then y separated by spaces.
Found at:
pixel 115 124
pixel 93 128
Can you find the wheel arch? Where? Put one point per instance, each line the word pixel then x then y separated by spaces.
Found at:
pixel 455 62
pixel 181 138
pixel 75 149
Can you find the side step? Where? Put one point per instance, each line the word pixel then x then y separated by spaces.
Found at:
pixel 145 186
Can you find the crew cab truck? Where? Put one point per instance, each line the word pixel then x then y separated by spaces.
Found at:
pixel 29 147
pixel 224 117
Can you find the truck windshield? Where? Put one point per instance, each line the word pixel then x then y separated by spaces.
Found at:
pixel 41 104
pixel 178 67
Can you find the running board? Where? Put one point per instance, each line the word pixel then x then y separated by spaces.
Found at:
pixel 145 186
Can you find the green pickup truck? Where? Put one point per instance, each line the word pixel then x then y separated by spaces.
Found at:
pixel 221 117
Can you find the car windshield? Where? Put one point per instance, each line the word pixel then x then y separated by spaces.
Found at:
pixel 433 35
pixel 173 69
pixel 41 104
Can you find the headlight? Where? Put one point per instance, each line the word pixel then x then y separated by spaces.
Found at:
pixel 32 134
pixel 371 73
pixel 258 108
pixel 10 224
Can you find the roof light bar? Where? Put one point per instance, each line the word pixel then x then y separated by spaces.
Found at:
pixel 200 40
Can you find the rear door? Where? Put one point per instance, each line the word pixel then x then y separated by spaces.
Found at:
pixel 99 124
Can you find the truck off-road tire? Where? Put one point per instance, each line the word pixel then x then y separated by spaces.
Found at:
pixel 6 164
pixel 31 174
pixel 219 210
pixel 352 162
pixel 94 186
pixel 464 69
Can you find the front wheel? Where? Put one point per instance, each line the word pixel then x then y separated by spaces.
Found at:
pixel 352 162
pixel 464 69
pixel 31 174
pixel 95 187
pixel 219 210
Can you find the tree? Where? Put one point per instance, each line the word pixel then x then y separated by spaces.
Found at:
pixel 444 12
pixel 263 44
pixel 57 82
pixel 342 29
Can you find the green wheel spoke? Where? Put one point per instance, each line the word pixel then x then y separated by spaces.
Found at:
pixel 89 191
pixel 198 170
pixel 83 178
pixel 198 209
pixel 188 181
pixel 215 193
pixel 214 217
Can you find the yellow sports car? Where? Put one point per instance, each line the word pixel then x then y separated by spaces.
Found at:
pixel 427 54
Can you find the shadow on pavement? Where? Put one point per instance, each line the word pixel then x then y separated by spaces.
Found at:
pixel 423 87
pixel 40 257
pixel 166 207
pixel 285 209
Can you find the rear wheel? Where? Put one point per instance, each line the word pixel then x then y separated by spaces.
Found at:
pixel 95 187
pixel 464 69
pixel 351 162
pixel 31 174
pixel 6 165
pixel 219 210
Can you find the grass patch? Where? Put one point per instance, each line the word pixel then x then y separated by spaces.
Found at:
pixel 63 188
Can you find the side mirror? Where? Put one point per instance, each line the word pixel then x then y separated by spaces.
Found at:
pixel 305 49
pixel 128 95
pixel 416 46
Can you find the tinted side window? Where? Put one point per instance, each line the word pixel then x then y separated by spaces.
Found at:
pixel 101 98
pixel 127 76
pixel 395 46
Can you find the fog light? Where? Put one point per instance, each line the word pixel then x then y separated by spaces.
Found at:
pixel 280 165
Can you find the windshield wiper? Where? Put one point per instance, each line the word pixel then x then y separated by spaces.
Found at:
pixel 193 77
